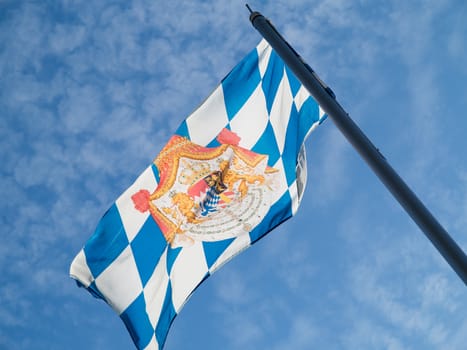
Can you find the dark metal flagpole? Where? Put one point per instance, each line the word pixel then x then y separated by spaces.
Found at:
pixel 327 100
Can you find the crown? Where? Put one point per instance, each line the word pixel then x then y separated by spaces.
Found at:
pixel 192 172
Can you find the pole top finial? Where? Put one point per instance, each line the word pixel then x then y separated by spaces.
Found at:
pixel 253 14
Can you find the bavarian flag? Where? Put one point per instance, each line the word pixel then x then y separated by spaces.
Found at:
pixel 233 171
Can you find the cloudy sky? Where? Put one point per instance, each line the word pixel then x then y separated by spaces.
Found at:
pixel 91 90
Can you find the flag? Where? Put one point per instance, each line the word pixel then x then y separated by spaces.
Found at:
pixel 233 171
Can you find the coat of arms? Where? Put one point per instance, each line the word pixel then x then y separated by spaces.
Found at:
pixel 208 194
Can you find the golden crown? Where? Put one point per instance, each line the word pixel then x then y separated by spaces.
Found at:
pixel 192 172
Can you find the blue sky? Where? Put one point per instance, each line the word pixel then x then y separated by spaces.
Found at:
pixel 91 91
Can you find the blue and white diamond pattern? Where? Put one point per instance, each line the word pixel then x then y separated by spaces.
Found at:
pixel 127 261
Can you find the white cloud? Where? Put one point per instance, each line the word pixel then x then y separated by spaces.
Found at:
pixel 66 38
pixel 302 334
pixel 364 334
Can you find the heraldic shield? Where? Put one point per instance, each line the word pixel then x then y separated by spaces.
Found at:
pixel 208 194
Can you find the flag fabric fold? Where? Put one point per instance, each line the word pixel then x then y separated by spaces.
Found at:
pixel 233 171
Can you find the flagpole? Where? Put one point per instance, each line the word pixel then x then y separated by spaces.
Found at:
pixel 439 237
